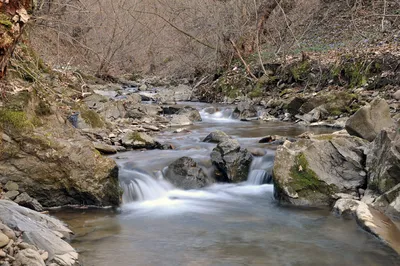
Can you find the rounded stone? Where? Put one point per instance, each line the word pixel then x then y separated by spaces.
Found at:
pixel 3 240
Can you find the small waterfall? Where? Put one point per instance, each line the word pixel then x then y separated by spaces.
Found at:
pixel 261 170
pixel 259 177
pixel 212 113
pixel 140 186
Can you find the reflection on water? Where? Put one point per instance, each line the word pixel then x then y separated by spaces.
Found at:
pixel 224 224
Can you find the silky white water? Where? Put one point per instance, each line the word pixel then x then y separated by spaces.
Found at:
pixel 223 224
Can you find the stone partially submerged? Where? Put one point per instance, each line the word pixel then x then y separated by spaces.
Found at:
pixel 185 173
pixel 311 171
pixel 232 162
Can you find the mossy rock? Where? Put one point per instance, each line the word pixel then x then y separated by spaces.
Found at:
pixel 14 121
pixel 92 118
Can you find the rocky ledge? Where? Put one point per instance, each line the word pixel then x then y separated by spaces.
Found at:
pixel 31 238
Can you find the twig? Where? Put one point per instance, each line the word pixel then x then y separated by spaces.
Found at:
pixel 241 58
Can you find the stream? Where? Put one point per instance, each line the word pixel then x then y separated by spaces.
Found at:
pixel 224 224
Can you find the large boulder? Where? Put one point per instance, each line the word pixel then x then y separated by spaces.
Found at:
pixel 383 166
pixel 245 111
pixel 57 166
pixel 41 231
pixel 232 162
pixel 368 121
pixel 383 161
pixel 192 113
pixel 311 171
pixel 216 137
pixel 185 173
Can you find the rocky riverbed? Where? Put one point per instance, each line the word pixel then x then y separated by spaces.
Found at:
pixel 51 156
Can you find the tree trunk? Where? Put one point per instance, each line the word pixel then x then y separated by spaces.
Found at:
pixel 263 13
pixel 13 18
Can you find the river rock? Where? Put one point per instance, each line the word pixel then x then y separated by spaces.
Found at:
pixel 138 140
pixel 346 207
pixel 232 162
pixel 192 113
pixel 383 161
pixel 245 111
pixel 370 220
pixel 104 148
pixel 7 231
pixel 180 120
pixel 28 257
pixel 3 240
pixel 396 95
pixel 27 201
pixel 185 173
pixel 11 186
pixel 217 136
pixel 11 194
pixel 39 230
pixel 379 225
pixel 368 121
pixel 60 168
pixel 310 172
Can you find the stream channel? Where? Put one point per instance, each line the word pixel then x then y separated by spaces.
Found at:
pixel 224 224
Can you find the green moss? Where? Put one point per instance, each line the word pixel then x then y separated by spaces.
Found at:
pixel 135 136
pixel 301 70
pixel 43 109
pixel 11 120
pixel 324 137
pixel 306 182
pixel 302 176
pixel 92 118
pixel 5 20
pixel 257 92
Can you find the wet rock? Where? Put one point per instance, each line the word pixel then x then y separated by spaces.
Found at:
pixel 185 173
pixel 3 240
pixel 231 161
pixel 104 148
pixel 245 111
pixel 25 200
pixel 379 225
pixel 28 257
pixel 11 186
pixel 311 171
pixel 367 122
pixel 216 137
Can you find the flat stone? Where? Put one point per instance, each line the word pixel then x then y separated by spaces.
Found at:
pixel 11 194
pixel 11 186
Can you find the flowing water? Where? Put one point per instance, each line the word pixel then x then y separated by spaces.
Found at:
pixel 224 224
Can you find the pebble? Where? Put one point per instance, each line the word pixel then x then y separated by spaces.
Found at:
pixel 2 254
pixel 44 255
pixel 7 231
pixel 3 240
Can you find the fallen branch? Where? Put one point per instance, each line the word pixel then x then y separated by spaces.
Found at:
pixel 241 58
